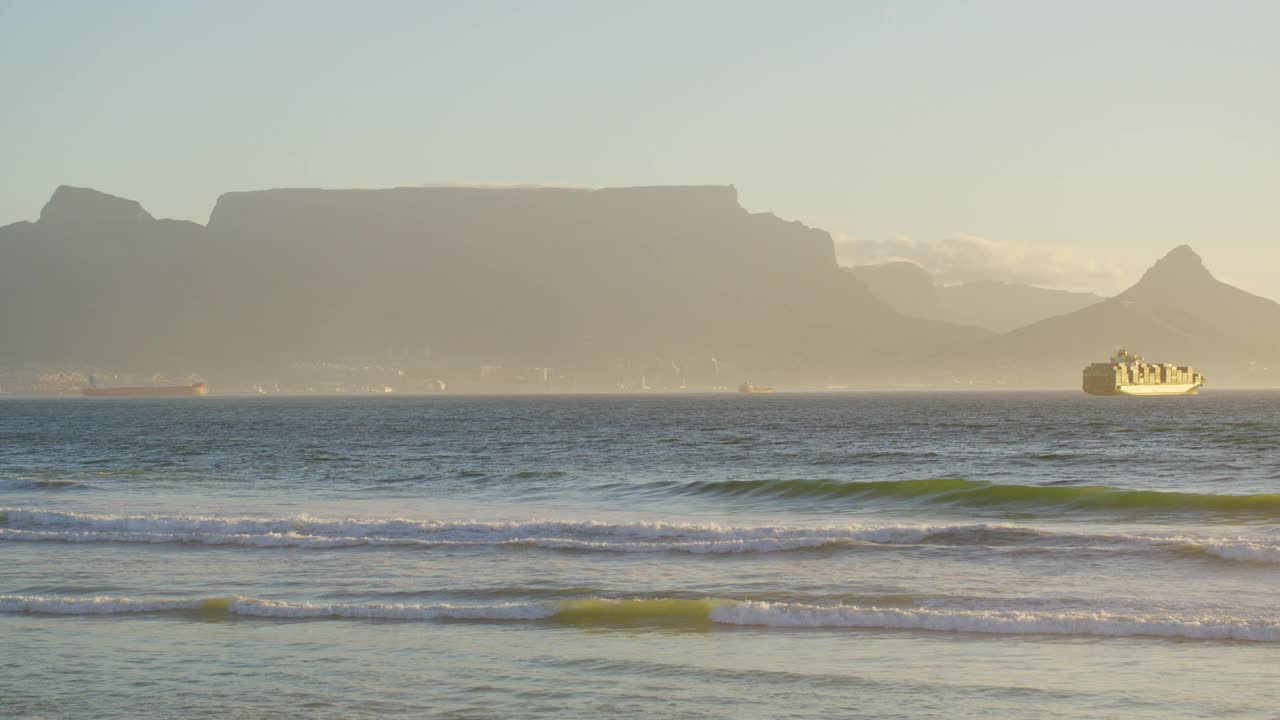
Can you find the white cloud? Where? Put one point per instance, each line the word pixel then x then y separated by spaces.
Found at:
pixel 965 258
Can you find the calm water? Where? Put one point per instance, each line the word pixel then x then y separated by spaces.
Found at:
pixel 877 555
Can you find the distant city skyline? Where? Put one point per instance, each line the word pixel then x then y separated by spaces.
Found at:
pixel 1065 145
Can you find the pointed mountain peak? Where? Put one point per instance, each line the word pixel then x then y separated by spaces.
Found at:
pixel 1180 259
pixel 84 205
pixel 1174 275
pixel 1181 264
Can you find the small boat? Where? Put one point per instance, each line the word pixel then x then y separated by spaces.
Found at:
pixel 749 388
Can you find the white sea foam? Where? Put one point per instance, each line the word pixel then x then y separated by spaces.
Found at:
pixel 499 611
pixel 92 605
pixel 38 524
pixel 467 530
pixel 1240 550
pixel 727 612
pixel 35 524
pixel 1207 627
pixel 251 540
pixel 709 547
pixel 237 605
pixel 311 541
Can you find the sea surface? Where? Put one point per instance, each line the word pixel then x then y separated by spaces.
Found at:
pixel 1047 555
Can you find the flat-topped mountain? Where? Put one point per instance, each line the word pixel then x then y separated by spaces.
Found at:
pixel 680 281
pixel 519 276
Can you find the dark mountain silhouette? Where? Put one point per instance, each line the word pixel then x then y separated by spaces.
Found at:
pixel 97 277
pixel 990 304
pixel 1178 312
pixel 518 276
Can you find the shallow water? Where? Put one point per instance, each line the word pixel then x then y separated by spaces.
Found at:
pixel 855 555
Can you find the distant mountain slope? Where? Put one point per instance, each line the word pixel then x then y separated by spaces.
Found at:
pixel 1180 282
pixel 1001 306
pixel 993 305
pixel 96 277
pixel 904 286
pixel 520 276
pixel 1178 312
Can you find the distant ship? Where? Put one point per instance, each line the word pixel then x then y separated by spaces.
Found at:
pixel 749 388
pixel 145 391
pixel 1129 374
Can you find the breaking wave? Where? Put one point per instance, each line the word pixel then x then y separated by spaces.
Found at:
pixel 33 524
pixel 252 607
pixel 691 613
pixel 39 525
pixel 1001 622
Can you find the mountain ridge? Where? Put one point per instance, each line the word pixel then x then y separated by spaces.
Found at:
pixel 1177 312
pixel 990 304
pixel 676 282
pixel 524 276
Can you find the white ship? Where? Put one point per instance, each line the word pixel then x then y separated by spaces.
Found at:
pixel 1129 374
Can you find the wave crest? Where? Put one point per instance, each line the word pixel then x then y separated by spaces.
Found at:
pixel 1000 622
pixel 694 613
pixel 38 525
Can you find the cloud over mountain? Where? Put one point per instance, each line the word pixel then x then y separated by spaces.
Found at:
pixel 969 258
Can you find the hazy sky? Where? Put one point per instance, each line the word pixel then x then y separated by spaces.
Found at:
pixel 1091 136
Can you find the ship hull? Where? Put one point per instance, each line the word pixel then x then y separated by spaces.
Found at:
pixel 179 391
pixel 1145 390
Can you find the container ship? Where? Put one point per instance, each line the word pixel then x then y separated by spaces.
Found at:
pixel 1129 374
pixel 145 391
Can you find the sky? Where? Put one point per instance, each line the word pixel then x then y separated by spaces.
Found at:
pixel 1065 144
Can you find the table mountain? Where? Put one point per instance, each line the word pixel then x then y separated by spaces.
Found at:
pixel 518 276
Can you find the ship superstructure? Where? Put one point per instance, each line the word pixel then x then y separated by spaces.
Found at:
pixel 1130 374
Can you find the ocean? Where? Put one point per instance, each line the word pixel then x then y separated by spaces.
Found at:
pixel 862 555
